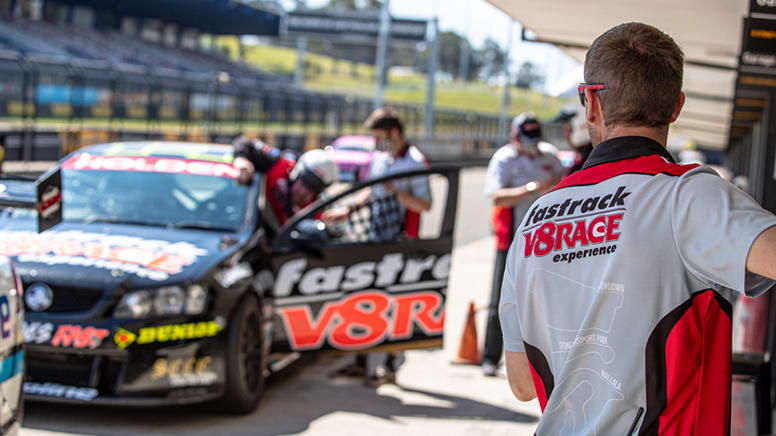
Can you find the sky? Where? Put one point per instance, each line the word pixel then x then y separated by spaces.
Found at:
pixel 478 20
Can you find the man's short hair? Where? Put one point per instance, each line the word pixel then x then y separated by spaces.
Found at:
pixel 641 69
pixel 384 119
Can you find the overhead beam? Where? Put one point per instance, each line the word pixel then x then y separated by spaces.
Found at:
pixel 568 44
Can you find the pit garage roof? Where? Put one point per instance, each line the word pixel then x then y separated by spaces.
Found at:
pixel 708 31
pixel 221 17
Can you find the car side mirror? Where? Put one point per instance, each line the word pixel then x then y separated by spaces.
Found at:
pixel 310 231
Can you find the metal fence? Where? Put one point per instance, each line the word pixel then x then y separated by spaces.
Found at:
pixel 48 107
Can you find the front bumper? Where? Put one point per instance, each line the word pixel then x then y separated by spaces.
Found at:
pixel 140 373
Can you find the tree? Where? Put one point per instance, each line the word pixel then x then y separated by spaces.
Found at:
pixel 529 76
pixel 450 44
pixel 492 58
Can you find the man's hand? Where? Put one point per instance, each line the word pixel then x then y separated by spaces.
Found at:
pixel 245 170
pixel 519 376
pixel 334 215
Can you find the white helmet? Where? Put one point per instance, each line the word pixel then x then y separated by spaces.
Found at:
pixel 317 170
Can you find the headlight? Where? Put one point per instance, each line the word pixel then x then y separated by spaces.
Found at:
pixel 134 305
pixel 164 301
pixel 169 300
pixel 196 300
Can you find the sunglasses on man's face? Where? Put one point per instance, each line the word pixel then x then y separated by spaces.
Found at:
pixel 584 86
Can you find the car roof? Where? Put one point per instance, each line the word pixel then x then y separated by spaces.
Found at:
pixel 173 149
pixel 354 141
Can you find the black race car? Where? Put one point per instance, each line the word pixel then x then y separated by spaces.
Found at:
pixel 159 285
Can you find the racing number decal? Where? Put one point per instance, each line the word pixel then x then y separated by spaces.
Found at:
pixel 363 320
pixel 5 317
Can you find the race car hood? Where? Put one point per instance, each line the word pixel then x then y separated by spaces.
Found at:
pixel 106 255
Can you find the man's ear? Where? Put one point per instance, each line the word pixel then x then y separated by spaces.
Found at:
pixel 592 107
pixel 678 107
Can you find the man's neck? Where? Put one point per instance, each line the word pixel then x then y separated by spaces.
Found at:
pixel 522 152
pixel 399 147
pixel 658 134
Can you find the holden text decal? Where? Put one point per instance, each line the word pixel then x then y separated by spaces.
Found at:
pixel 86 161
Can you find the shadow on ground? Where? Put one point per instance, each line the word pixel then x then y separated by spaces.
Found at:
pixel 289 406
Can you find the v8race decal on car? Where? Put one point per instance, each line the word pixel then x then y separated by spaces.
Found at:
pixel 146 258
pixel 388 301
pixel 575 229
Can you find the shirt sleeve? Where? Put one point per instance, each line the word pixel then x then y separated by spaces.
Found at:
pixel 262 156
pixel 419 186
pixel 715 224
pixel 496 176
pixel 507 307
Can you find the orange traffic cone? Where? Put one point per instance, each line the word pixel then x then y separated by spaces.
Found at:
pixel 469 351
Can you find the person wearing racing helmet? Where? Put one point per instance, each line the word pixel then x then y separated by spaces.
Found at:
pixel 289 186
pixel 518 173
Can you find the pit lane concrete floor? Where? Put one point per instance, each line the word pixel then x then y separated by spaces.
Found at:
pixel 432 396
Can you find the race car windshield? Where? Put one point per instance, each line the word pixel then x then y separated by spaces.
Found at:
pixel 154 199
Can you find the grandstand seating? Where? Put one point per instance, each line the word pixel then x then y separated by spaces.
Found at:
pixel 68 43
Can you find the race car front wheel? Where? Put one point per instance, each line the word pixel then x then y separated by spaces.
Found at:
pixel 244 359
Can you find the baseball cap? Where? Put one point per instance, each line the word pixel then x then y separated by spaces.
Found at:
pixel 566 113
pixel 526 128
pixel 579 135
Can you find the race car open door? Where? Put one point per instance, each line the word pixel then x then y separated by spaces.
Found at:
pixel 43 194
pixel 375 278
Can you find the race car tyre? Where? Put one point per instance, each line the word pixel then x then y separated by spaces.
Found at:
pixel 244 359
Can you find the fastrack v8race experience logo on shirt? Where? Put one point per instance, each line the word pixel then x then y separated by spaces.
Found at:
pixel 364 304
pixel 575 228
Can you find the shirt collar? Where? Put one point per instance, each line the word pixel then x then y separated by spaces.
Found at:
pixel 625 147
pixel 404 150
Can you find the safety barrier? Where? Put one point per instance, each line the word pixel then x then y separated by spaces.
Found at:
pixel 74 103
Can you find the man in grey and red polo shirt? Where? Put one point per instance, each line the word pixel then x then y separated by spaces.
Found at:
pixel 616 301
pixel 517 174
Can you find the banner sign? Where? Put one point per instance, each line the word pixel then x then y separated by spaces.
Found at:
pixel 349 28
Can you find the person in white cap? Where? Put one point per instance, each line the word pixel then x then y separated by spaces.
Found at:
pixel 290 186
pixel 518 173
pixel 579 140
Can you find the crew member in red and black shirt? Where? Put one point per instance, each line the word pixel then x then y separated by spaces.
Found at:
pixel 290 186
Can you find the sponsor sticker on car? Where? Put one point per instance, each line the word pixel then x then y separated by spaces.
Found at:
pixel 192 371
pixel 152 259
pixel 57 390
pixel 167 333
pixel 64 336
